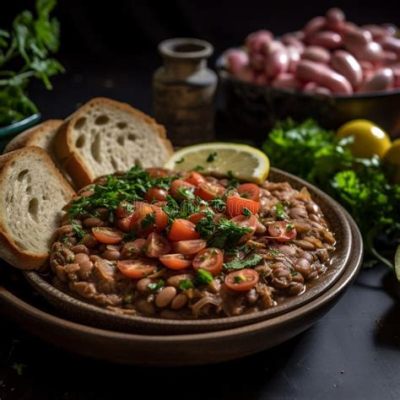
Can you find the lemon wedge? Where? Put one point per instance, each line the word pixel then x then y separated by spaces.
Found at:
pixel 239 160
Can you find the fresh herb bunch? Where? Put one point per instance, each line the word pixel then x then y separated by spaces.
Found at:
pixel 25 53
pixel 313 153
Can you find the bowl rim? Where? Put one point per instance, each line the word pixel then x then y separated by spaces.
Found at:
pixel 344 281
pixel 15 127
pixel 45 288
pixel 224 74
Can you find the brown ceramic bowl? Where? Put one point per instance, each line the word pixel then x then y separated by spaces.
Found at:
pixel 80 311
pixel 192 349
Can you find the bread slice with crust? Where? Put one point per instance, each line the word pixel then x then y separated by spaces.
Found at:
pixel 32 194
pixel 41 135
pixel 105 136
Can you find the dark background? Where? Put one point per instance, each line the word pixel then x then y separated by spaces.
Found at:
pixel 110 47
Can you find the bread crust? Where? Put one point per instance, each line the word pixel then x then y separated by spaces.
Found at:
pixel 9 250
pixel 64 146
pixel 30 136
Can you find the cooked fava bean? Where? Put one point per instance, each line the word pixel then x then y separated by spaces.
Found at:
pixel 143 285
pixel 80 248
pixel 175 280
pixel 111 254
pixel 92 222
pixel 179 301
pixel 165 296
pixel 145 307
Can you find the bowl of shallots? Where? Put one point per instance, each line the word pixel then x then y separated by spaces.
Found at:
pixel 332 70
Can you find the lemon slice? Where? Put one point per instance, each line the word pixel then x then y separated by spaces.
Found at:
pixel 242 161
pixel 397 263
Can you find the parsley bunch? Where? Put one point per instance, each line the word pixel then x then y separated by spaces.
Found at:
pixel 313 153
pixel 25 53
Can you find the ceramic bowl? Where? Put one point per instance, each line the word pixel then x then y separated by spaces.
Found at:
pixel 188 349
pixel 80 311
pixel 254 109
pixel 9 131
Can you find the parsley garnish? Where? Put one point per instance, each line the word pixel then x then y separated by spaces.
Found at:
pixel 218 204
pixel 289 227
pixel 250 261
pixel 185 284
pixel 280 211
pixel 203 277
pixel 156 286
pixel 233 182
pixel 274 252
pixel 246 212
pixel 148 220
pixel 180 161
pixel 198 168
pixel 78 231
pixel 211 157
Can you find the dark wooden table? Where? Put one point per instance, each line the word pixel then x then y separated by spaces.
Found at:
pixel 352 353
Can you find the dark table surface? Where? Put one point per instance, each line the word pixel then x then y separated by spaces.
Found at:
pixel 351 353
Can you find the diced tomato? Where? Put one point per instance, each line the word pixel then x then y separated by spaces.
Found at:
pixel 158 172
pixel 242 280
pixel 156 245
pixel 107 235
pixel 182 229
pixel 178 186
pixel 235 205
pixel 135 247
pixel 138 268
pixel 125 209
pixel 175 261
pixel 249 191
pixel 210 259
pixel 156 194
pixel 209 191
pixel 196 217
pixel 247 222
pixel 125 223
pixel 161 218
pixel 189 247
pixel 195 178
pixel 282 231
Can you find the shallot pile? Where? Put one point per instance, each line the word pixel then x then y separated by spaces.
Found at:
pixel 330 55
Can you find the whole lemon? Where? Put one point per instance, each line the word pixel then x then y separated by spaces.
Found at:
pixel 391 161
pixel 368 138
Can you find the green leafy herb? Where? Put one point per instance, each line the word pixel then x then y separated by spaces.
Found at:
pixel 246 212
pixel 203 277
pixel 156 286
pixel 180 161
pixel 211 157
pixel 238 279
pixel 274 252
pixel 217 204
pixel 222 234
pixel 78 231
pixel 289 227
pixel 186 284
pixel 198 168
pixel 280 211
pixel 250 261
pixel 361 185
pixel 233 181
pixel 148 220
pixel 25 53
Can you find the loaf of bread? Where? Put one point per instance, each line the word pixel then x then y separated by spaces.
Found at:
pixel 32 195
pixel 105 136
pixel 41 135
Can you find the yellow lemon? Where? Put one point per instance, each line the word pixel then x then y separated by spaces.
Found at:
pixel 368 138
pixel 391 160
pixel 243 162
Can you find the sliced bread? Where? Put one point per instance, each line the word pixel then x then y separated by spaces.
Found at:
pixel 105 136
pixel 41 135
pixel 32 194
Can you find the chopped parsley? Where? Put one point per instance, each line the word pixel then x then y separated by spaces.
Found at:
pixel 280 211
pixel 274 252
pixel 289 227
pixel 246 212
pixel 250 261
pixel 148 220
pixel 198 168
pixel 233 182
pixel 78 230
pixel 180 161
pixel 203 277
pixel 238 279
pixel 211 157
pixel 186 284
pixel 156 286
pixel 218 204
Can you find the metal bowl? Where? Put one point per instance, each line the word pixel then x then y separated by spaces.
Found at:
pixel 247 107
